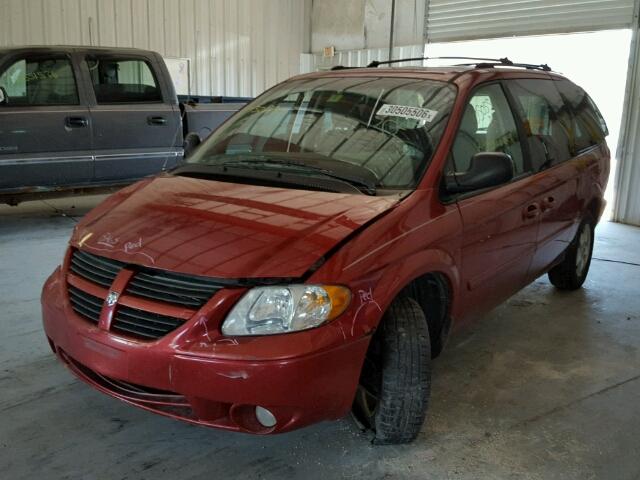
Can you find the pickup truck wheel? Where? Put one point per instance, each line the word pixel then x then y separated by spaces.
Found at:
pixel 393 394
pixel 572 272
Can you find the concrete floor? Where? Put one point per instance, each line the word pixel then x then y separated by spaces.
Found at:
pixel 545 386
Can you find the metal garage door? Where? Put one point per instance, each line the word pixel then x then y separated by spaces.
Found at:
pixel 449 20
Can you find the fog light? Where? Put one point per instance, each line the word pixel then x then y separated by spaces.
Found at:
pixel 265 417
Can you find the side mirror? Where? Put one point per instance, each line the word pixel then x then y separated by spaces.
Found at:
pixel 488 169
pixel 191 143
pixel 4 98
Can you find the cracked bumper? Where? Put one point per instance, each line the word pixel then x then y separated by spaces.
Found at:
pixel 185 377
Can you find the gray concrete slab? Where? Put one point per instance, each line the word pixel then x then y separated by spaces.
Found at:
pixel 545 386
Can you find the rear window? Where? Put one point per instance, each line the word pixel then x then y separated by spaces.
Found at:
pixel 589 127
pixel 123 80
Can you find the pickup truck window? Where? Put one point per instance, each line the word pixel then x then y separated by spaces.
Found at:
pixel 388 126
pixel 39 81
pixel 123 80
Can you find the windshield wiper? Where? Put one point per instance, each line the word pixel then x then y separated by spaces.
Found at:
pixel 362 184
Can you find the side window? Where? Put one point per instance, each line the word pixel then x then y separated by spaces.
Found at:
pixel 588 127
pixel 487 125
pixel 123 81
pixel 40 81
pixel 548 122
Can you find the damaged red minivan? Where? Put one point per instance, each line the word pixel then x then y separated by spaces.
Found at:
pixel 315 253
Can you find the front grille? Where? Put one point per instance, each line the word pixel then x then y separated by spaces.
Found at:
pixel 143 324
pixel 96 269
pixel 84 304
pixel 158 285
pixel 175 288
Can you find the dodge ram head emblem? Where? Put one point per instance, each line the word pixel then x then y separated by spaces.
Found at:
pixel 112 298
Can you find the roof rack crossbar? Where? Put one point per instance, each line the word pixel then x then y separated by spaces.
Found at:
pixel 480 63
pixel 377 63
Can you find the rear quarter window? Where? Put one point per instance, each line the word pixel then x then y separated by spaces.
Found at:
pixel 548 121
pixel 588 127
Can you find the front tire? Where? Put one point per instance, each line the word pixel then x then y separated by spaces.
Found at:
pixel 395 383
pixel 571 273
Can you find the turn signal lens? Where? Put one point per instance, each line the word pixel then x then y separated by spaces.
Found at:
pixel 340 299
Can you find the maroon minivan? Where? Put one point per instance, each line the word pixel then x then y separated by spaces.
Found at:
pixel 315 253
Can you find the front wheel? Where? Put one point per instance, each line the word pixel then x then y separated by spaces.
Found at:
pixel 572 272
pixel 395 383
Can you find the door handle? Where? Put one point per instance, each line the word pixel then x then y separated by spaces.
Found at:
pixel 548 203
pixel 76 122
pixel 532 210
pixel 156 120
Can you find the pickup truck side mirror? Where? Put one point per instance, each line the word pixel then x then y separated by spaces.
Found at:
pixel 191 143
pixel 4 98
pixel 488 169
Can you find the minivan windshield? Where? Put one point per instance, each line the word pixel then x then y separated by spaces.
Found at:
pixel 366 130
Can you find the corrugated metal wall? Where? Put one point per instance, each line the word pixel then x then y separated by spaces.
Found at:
pixel 450 20
pixel 360 58
pixel 236 47
pixel 627 202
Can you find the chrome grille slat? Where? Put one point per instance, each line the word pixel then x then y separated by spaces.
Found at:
pixel 131 324
pixel 196 294
pixel 86 263
pixel 98 278
pixel 85 304
pixel 137 315
pixel 136 332
pixel 105 262
pixel 162 296
pixel 177 280
pixel 79 295
pixel 146 324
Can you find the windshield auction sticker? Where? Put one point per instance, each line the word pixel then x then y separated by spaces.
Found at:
pixel 415 113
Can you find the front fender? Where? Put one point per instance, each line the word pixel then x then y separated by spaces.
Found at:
pixel 420 236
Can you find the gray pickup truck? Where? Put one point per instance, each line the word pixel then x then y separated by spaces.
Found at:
pixel 79 118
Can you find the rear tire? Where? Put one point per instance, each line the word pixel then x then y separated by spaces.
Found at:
pixel 572 272
pixel 395 384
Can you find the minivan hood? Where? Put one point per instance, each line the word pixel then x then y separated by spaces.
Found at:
pixel 224 230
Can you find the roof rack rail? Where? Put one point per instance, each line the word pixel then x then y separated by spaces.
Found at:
pixel 481 62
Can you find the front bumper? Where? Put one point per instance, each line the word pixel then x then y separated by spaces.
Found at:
pixel 302 378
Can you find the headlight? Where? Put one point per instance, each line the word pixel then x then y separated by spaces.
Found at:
pixel 273 310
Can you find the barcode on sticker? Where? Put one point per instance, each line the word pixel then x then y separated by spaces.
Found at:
pixel 416 113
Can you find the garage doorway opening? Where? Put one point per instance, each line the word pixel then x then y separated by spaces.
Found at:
pixel 597 61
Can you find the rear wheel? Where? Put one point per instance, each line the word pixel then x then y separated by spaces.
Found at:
pixel 572 272
pixel 393 394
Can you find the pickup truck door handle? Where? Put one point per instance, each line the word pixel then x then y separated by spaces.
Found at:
pixel 532 210
pixel 548 203
pixel 76 122
pixel 156 120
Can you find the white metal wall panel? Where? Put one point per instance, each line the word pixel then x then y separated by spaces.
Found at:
pixel 450 20
pixel 360 58
pixel 627 202
pixel 236 47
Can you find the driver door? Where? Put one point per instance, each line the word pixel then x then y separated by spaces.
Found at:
pixel 499 238
pixel 45 130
